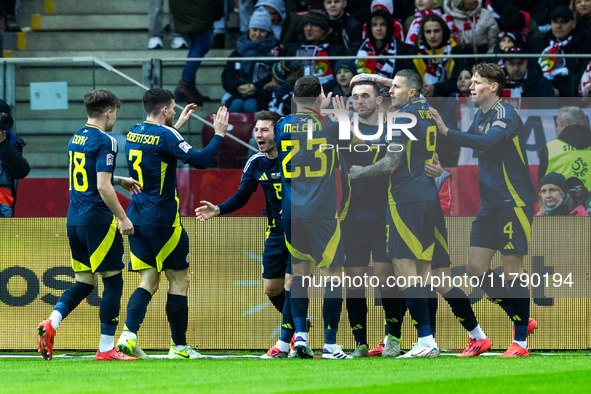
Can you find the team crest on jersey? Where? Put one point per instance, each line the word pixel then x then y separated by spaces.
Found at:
pixel 110 158
pixel 185 146
pixel 275 175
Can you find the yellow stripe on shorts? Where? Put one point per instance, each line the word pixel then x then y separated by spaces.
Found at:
pixel 407 236
pixel 79 267
pixel 168 247
pixel 101 252
pixel 524 222
pixel 331 248
pixel 297 254
pixel 137 264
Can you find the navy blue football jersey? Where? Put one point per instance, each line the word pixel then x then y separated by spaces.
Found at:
pixel 261 169
pixel 152 152
pixel 409 182
pixel 308 171
pixel 368 195
pixel 90 150
pixel 503 169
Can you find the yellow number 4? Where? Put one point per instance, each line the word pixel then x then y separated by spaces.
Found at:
pixel 508 229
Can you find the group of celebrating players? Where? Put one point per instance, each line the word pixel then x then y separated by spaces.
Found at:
pixel 390 213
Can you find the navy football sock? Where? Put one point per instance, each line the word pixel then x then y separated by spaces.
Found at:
pixel 287 324
pixel 136 309
pixel 394 305
pixel 357 311
pixel 299 303
pixel 111 304
pixel 416 300
pixel 433 303
pixel 72 297
pixel 331 312
pixel 519 298
pixel 177 311
pixel 494 287
pixel 278 301
pixel 461 308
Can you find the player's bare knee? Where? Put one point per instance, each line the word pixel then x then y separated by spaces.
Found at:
pixel 88 278
pixel 475 270
pixel 271 290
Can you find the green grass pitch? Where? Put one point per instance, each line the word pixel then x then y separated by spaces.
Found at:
pixel 569 372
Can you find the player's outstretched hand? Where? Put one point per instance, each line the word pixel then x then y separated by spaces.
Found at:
pixel 185 116
pixel 131 185
pixel 441 127
pixel 434 170
pixel 325 100
pixel 338 102
pixel 207 211
pixel 355 172
pixel 125 226
pixel 220 121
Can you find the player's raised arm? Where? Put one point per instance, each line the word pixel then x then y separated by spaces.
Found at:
pixel 496 134
pixel 387 82
pixel 109 196
pixel 385 166
pixel 221 121
pixel 185 116
pixel 201 159
pixel 441 127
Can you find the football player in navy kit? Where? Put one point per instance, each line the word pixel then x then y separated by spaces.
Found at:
pixel 94 214
pixel 160 243
pixel 263 168
pixel 310 217
pixel 507 195
pixel 412 199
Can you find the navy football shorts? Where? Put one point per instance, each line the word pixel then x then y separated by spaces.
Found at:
pixel 96 248
pixel 411 230
pixel 364 239
pixel 507 229
pixel 316 240
pixel 276 259
pixel 159 247
pixel 440 252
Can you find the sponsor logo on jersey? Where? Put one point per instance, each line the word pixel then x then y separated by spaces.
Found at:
pixel 263 177
pixel 185 146
pixel 110 158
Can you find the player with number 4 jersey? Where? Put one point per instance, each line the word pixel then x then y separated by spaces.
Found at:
pixel 507 195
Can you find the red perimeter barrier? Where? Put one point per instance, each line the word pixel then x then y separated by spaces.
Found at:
pixel 38 197
pixel 49 196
